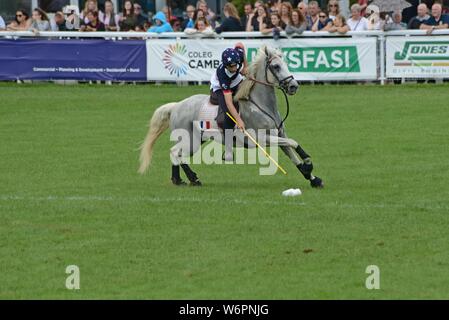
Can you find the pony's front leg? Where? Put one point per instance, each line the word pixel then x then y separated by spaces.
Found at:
pixel 304 165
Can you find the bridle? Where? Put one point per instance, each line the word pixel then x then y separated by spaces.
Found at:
pixel 281 84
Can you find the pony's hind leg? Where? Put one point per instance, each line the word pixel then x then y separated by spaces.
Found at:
pixel 191 175
pixel 185 148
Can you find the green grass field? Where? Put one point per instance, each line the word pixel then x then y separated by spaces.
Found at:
pixel 70 194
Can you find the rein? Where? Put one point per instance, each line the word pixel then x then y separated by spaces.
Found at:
pixel 279 85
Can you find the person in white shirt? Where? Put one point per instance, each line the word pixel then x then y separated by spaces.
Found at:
pixel 357 22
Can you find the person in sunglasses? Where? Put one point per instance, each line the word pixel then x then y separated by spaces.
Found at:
pixel 333 8
pixel 224 84
pixel 22 22
pixel 324 23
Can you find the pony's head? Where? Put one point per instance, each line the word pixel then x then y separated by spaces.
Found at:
pixel 276 70
pixel 268 67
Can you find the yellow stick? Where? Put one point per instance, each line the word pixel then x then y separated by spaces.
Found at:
pixel 258 145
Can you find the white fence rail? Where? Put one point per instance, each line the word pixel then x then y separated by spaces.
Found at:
pixel 311 56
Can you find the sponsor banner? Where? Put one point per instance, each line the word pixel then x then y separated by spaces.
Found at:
pixel 308 59
pixel 73 59
pixel 417 57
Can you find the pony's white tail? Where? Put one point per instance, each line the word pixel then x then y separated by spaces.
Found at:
pixel 158 124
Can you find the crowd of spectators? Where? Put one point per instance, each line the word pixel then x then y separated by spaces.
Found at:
pixel 271 17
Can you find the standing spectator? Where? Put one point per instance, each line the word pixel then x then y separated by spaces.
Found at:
pixel 340 25
pixel 357 22
pixel 111 19
pixel 286 12
pixel 94 23
pixel 2 24
pixel 90 5
pixel 39 21
pixel 437 20
pixel 210 15
pixel 21 22
pixel 274 6
pixel 260 18
pixel 248 10
pixel 344 8
pixel 160 24
pixel 298 24
pixel 58 22
pixel 167 11
pixel 304 8
pixel 333 7
pixel 396 24
pixel 324 23
pixel 423 15
pixel 363 5
pixel 201 26
pixel 232 20
pixel 199 14
pixel 312 18
pixel 141 18
pixel 128 21
pixel 190 21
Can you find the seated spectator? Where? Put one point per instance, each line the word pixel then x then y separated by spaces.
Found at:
pixel 323 24
pixel 160 24
pixel 58 22
pixel 111 20
pixel 190 21
pixel 141 18
pixel 312 17
pixel 2 24
pixel 22 22
pixel 232 21
pixel 201 26
pixel 339 25
pixel 373 17
pixel 94 23
pixel 72 18
pixel 286 12
pixel 260 18
pixel 248 10
pixel 128 21
pixel 396 24
pixel 333 7
pixel 437 20
pixel 276 25
pixel 298 24
pixel 209 14
pixel 90 5
pixel 423 15
pixel 357 22
pixel 39 21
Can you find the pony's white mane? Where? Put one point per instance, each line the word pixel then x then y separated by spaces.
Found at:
pixel 247 84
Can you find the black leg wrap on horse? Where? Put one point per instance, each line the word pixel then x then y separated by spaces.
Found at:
pixel 302 153
pixel 306 169
pixel 175 176
pixel 317 183
pixel 193 178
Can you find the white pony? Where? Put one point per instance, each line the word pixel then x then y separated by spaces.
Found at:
pixel 258 109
